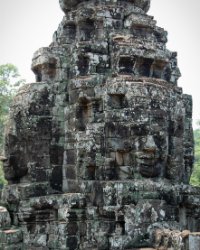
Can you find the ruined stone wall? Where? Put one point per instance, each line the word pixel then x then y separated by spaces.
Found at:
pixel 99 150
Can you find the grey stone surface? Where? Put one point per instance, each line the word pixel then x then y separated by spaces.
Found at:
pixel 99 150
pixel 5 221
pixel 194 241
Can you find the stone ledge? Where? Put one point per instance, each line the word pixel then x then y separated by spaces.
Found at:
pixel 11 236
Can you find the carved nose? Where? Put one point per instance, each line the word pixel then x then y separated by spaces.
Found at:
pixel 150 145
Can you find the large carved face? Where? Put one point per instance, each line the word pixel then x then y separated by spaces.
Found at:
pixel 137 129
pixel 145 130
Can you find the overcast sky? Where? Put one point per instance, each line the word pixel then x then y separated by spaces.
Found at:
pixel 26 25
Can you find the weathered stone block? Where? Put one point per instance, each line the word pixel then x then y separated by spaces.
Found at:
pixel 11 236
pixel 5 220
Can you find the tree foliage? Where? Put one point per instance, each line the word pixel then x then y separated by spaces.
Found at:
pixel 10 81
pixel 195 178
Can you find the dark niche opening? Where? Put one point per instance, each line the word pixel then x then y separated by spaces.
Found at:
pixel 16 167
pixel 110 172
pixel 90 172
pixel 83 114
pixel 51 69
pixel 176 128
pixel 120 227
pixel 71 156
pixel 141 31
pixel 167 74
pixel 158 69
pixel 145 67
pixel 56 178
pixel 126 64
pixel 117 101
pixel 101 68
pixel 72 242
pixel 83 65
pixel 86 29
pixel 38 74
pixel 97 106
pixel 56 155
pixel 69 30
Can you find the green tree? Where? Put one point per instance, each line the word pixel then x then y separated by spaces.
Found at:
pixel 10 81
pixel 195 178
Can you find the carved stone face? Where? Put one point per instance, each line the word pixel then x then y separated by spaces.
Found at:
pixel 150 161
pixel 140 128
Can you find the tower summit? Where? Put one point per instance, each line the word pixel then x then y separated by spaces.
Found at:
pixel 69 5
pixel 99 150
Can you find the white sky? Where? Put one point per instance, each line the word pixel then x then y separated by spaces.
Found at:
pixel 27 25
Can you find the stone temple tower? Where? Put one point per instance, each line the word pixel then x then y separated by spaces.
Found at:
pixel 99 150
